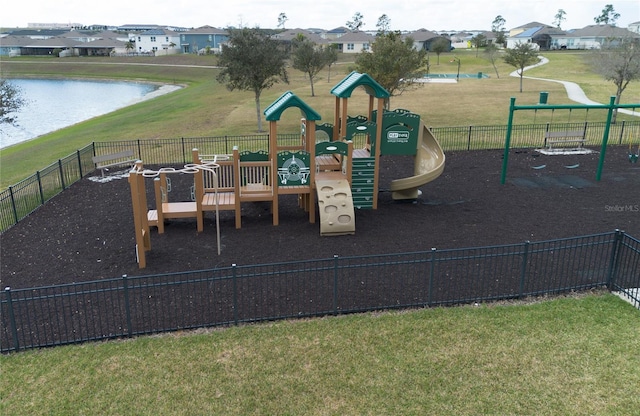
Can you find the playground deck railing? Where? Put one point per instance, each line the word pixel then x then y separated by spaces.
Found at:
pixel 19 200
pixel 129 306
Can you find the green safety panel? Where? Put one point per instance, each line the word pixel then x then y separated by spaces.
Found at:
pixel 400 131
pixel 249 156
pixel 330 148
pixel 293 168
pixel 326 128
pixel 363 127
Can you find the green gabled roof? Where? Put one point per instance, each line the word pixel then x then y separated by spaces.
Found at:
pixel 287 100
pixel 356 79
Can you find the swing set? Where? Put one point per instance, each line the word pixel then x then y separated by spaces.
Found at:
pixel 567 135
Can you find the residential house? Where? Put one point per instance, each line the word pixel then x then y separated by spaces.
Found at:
pixel 591 37
pixel 203 40
pixel 634 27
pixel 101 47
pixel 49 46
pixel 12 45
pixel 290 34
pixel 157 41
pixel 423 39
pixel 526 27
pixel 354 42
pixel 336 33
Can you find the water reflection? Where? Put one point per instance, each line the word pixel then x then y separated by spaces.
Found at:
pixel 54 104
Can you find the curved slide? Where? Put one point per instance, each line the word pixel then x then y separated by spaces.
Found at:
pixel 429 164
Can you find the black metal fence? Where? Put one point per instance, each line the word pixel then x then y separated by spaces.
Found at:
pixel 19 200
pixel 130 306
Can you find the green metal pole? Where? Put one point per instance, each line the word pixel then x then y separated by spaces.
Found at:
pixel 507 142
pixel 605 137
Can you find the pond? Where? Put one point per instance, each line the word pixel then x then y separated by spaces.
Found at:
pixel 54 104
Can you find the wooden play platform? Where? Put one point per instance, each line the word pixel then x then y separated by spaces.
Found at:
pixel 323 170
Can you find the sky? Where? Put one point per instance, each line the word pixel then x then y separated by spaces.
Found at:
pixel 434 15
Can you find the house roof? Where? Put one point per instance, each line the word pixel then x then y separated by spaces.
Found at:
pixel 355 79
pixel 290 34
pixel 355 37
pixel 603 31
pixel 531 25
pixel 207 30
pixel 159 32
pixel 102 43
pixel 15 41
pixel 288 100
pixel 528 33
pixel 56 42
pixel 38 32
pixel 340 29
pixel 422 35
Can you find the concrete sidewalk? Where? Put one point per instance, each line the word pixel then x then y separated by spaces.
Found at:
pixel 574 91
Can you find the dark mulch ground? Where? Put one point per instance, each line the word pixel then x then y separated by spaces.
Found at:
pixel 86 233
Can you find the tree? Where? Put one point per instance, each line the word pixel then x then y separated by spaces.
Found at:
pixel 10 102
pixel 438 46
pixel 478 41
pixel 559 18
pixel 331 57
pixel 282 19
pixel 608 16
pixel 491 53
pixel 618 61
pixel 308 58
pixel 252 61
pixel 392 62
pixel 521 56
pixel 129 46
pixel 497 27
pixel 356 23
pixel 384 24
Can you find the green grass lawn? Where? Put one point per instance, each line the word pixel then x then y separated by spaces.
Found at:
pixel 573 356
pixel 206 108
pixel 568 356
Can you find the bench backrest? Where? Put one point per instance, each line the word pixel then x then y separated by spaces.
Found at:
pixel 558 134
pixel 127 154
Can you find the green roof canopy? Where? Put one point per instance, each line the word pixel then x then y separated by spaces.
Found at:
pixel 287 100
pixel 355 79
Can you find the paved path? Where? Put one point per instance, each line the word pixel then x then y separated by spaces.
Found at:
pixel 574 91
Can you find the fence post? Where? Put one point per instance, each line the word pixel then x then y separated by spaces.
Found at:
pixel 79 163
pixel 621 132
pixel 335 284
pixel 235 294
pixel 12 319
pixel 61 174
pixel 13 205
pixel 127 304
pixel 469 138
pixel 613 260
pixel 523 267
pixel 432 273
pixel 40 188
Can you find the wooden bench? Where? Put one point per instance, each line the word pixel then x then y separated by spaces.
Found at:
pixel 105 162
pixel 561 137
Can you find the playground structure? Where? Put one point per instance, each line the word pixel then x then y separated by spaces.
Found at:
pixel 324 169
pixel 566 136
